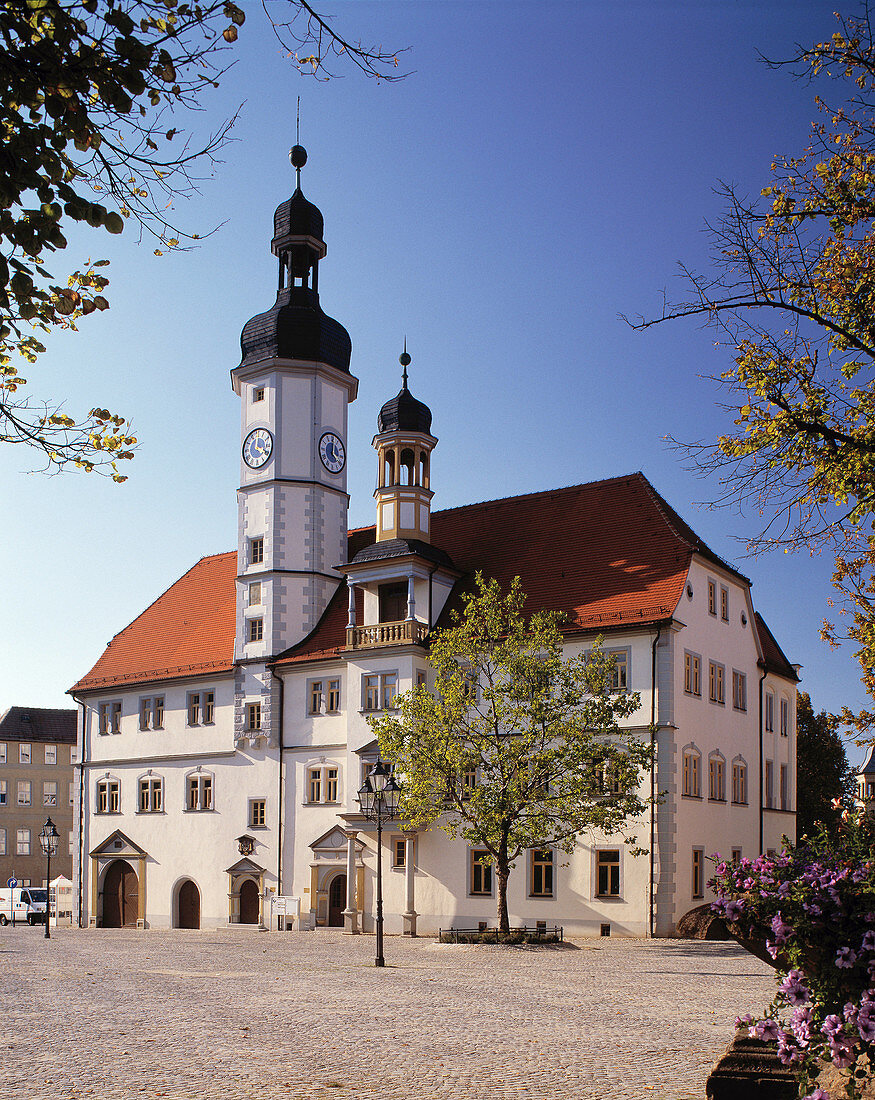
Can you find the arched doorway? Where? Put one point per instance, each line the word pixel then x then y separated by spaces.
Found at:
pixel 189 905
pixel 336 901
pixel 248 902
pixel 120 896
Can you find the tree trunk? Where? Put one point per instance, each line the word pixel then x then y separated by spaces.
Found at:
pixel 502 871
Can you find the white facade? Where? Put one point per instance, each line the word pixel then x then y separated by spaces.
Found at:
pixel 206 793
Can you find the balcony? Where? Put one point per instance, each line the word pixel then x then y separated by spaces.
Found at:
pixel 385 634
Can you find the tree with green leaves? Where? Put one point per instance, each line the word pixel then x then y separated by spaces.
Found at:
pixel 822 769
pixel 518 746
pixel 792 293
pixel 91 94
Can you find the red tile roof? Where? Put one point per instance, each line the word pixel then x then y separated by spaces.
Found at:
pixel 609 554
pixel 187 631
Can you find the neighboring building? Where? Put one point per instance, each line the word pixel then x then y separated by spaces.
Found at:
pixel 225 730
pixel 866 779
pixel 37 754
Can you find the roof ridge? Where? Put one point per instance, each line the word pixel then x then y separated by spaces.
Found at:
pixel 540 493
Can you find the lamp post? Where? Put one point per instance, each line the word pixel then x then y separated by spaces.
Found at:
pixel 378 798
pixel 48 839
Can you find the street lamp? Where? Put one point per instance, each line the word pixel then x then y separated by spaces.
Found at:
pixel 48 839
pixel 378 798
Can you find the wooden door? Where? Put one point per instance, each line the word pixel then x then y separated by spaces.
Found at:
pixel 336 901
pixel 189 905
pixel 120 896
pixel 249 902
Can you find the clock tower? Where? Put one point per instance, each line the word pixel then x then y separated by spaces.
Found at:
pixel 294 386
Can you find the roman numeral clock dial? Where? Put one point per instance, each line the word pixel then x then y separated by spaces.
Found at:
pixel 257 448
pixel 332 452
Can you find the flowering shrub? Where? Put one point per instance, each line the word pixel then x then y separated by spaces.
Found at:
pixel 813 908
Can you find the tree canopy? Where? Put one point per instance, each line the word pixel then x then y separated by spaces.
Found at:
pixel 822 769
pixel 517 746
pixel 792 293
pixel 94 99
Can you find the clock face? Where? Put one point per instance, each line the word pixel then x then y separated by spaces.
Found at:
pixel 332 453
pixel 257 448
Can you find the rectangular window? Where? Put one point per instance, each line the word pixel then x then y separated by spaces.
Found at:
pixel 103 718
pixel 24 792
pixel 24 753
pixel 379 690
pixel 51 754
pixel 481 873
pixel 315 705
pixel 716 781
pixel 71 791
pixel 331 784
pixel 200 792
pixel 256 550
pixel 785 717
pixel 469 781
pixel 209 708
pixel 739 690
pixel 314 785
pixel 769 785
pixel 715 682
pixel 257 813
pixel 152 713
pixel 50 794
pixel 698 873
pixel 333 704
pixel 421 678
pixel 608 873
pixel 691 775
pixel 399 851
pixel 784 792
pixel 253 716
pixel 2 752
pixel 150 795
pixel 712 597
pixel 108 796
pixel 194 708
pixel 736 855
pixel 620 673
pixel 3 794
pixel 255 594
pixel 71 843
pixel 258 393
pixel 145 713
pixel 116 717
pixel 692 674
pixel 256 630
pixel 769 718
pixel 22 842
pixel 724 603
pixel 74 754
pixel 541 878
pixel 739 784
pixel 2 842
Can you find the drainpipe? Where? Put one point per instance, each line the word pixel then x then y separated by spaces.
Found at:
pixel 81 767
pixel 279 847
pixel 762 679
pixel 653 746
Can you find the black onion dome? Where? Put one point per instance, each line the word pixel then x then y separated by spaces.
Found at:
pixel 297 217
pixel 296 328
pixel 404 413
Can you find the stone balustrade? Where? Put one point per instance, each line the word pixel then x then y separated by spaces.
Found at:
pixel 385 634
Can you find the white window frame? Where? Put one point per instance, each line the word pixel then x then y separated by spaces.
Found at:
pixel 318 778
pixel 24 792
pixel 203 785
pixel 22 842
pixel 384 695
pixel 2 752
pixel 108 792
pixel 2 841
pixel 50 798
pixel 152 786
pixel 4 794
pixel 51 754
pixel 25 752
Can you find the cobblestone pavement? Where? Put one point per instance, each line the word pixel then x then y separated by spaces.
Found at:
pixel 235 1014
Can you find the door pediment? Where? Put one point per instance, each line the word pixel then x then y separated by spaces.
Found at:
pixel 118 846
pixel 333 844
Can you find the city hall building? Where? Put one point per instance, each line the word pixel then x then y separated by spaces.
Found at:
pixel 224 733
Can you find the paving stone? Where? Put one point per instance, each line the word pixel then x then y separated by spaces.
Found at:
pixel 237 1014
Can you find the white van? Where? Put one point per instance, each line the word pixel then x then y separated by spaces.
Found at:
pixel 23 903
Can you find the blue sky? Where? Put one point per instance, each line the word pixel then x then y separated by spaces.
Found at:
pixel 542 170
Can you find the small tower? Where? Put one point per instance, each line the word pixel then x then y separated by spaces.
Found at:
pixel 404 444
pixel 866 780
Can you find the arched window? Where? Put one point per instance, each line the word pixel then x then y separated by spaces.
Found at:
pixel 388 468
pixel 739 781
pixel 717 777
pixel 108 795
pixel 151 793
pixel 199 790
pixel 692 772
pixel 423 469
pixel 408 467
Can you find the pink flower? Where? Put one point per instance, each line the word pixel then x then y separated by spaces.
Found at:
pixel 767 1029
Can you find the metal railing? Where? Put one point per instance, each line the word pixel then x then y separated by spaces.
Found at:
pixel 493 935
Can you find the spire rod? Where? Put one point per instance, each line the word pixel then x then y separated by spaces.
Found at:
pixel 404 360
pixel 298 155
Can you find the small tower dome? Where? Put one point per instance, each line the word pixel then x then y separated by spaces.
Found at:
pixel 404 413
